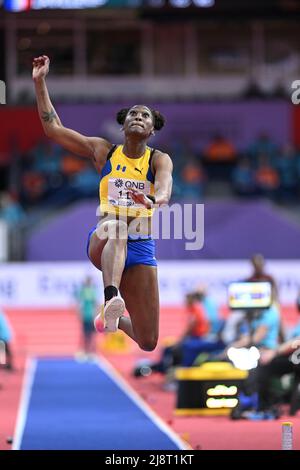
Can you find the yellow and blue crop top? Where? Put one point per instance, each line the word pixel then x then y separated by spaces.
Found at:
pixel 121 173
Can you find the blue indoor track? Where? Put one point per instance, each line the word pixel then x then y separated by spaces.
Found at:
pixel 76 405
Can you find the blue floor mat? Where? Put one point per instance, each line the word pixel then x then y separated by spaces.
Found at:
pixel 79 406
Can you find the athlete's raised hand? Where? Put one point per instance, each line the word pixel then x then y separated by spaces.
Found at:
pixel 40 67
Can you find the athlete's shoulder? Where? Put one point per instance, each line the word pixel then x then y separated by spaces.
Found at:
pixel 102 149
pixel 157 152
pixel 161 159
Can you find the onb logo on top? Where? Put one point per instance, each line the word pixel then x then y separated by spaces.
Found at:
pixel 119 194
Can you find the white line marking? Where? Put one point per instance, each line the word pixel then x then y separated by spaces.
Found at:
pixel 28 379
pixel 132 394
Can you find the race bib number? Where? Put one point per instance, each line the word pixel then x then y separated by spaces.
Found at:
pixel 119 194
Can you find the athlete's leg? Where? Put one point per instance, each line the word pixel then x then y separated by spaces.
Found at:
pixel 108 251
pixel 140 291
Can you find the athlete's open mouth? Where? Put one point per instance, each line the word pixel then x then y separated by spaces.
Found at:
pixel 137 124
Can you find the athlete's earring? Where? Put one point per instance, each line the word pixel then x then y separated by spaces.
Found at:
pixel 121 129
pixel 152 133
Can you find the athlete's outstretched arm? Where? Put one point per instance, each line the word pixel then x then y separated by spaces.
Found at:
pixel 67 138
pixel 163 181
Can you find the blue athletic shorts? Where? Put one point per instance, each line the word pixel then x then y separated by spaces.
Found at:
pixel 139 251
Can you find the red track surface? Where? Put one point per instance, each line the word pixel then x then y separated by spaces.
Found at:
pixel 50 332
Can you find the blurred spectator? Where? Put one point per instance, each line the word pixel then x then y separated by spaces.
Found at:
pixel 15 218
pixel 232 328
pixel 260 328
pixel 266 177
pixel 274 363
pixel 197 322
pixel 243 178
pixel 53 178
pixel 5 338
pixel 72 164
pixel 179 150
pixel 87 306
pixel 193 178
pixel 219 157
pixel 186 168
pixel 259 273
pixel 298 302
pixel 220 150
pixel 211 310
pixel 47 157
pixel 42 175
pixel 286 166
pixel 82 184
pixel 244 329
pixel 86 182
pixel 295 331
pixel 284 360
pixel 34 187
pixel 10 209
pixel 263 145
pixel 47 163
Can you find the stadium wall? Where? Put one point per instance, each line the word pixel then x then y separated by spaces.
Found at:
pixel 239 121
pixel 37 285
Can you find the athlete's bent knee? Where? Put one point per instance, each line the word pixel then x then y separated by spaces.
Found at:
pixel 148 344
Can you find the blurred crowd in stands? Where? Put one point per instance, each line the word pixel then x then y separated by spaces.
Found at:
pixel 48 177
pixel 209 337
pixel 262 170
